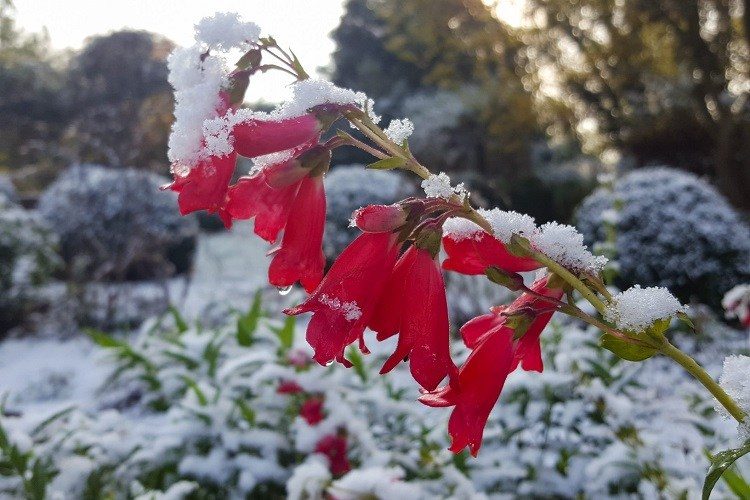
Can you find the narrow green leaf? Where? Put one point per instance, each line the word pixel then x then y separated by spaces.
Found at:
pixel 179 321
pixel 248 323
pixel 44 423
pixel 736 483
pixel 388 163
pixel 247 413
pixel 202 399
pixel 286 332
pixel 358 362
pixel 626 350
pixel 719 464
pixel 103 340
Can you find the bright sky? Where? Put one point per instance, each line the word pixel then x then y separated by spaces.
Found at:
pixel 303 25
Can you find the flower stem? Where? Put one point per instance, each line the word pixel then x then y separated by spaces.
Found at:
pixel 704 378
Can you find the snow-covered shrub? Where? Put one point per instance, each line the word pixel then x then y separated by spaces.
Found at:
pixel 470 296
pixel 27 258
pixel 242 410
pixel 7 190
pixel 673 230
pixel 349 187
pixel 117 224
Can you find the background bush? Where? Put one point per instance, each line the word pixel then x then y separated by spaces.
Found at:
pixel 673 230
pixel 27 258
pixel 117 224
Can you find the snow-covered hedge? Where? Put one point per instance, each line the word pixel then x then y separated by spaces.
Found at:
pixel 349 187
pixel 7 190
pixel 673 230
pixel 27 258
pixel 242 410
pixel 117 224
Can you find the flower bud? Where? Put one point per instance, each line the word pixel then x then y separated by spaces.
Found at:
pixel 429 238
pixel 379 218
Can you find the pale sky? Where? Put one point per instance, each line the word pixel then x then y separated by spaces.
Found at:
pixel 303 25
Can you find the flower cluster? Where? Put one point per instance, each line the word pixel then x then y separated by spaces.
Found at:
pixel 390 278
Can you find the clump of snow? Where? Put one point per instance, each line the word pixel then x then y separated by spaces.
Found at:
pixel 439 186
pixel 376 482
pixel 506 224
pixel 459 229
pixel 735 380
pixel 564 245
pixel 350 310
pixel 399 130
pixel 309 480
pixel 313 92
pixel 226 30
pixel 637 308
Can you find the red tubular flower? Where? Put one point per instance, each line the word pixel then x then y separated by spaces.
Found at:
pixel 472 254
pixel 495 354
pixel 344 302
pixel 414 305
pixel 253 197
pixel 289 387
pixel 312 410
pixel 379 218
pixel 334 448
pixel 205 186
pixel 300 256
pixel 261 137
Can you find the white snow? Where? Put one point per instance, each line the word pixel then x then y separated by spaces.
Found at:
pixel 459 229
pixel 376 482
pixel 564 245
pixel 308 480
pixel 506 224
pixel 439 186
pixel 350 310
pixel 736 303
pixel 637 308
pixel 399 130
pixel 226 30
pixel 735 380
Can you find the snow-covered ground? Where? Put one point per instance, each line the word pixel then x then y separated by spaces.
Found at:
pixel 43 376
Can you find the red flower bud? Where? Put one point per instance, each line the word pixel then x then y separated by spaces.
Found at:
pixel 379 218
pixel 312 410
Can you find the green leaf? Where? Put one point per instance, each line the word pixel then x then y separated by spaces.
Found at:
pixel 626 350
pixel 358 362
pixel 103 340
pixel 736 483
pixel 248 323
pixel 247 413
pixel 719 464
pixel 202 399
pixel 286 332
pixel 388 163
pixel 179 321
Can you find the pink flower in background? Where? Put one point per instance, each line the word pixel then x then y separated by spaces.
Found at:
pixel 334 449
pixel 312 410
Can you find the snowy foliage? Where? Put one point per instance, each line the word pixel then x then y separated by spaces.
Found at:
pixel 674 230
pixel 117 224
pixel 27 258
pixel 735 379
pixel 219 412
pixel 349 187
pixel 8 192
pixel 638 308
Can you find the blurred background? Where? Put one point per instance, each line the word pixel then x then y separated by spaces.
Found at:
pixel 627 118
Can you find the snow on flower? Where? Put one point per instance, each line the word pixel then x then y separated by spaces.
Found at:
pixel 637 308
pixel 350 310
pixel 564 245
pixel 507 223
pixel 225 30
pixel 399 130
pixel 459 229
pixel 439 186
pixel 735 379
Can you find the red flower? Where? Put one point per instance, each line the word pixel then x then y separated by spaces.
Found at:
pixel 414 305
pixel 206 184
pixel 344 302
pixel 289 387
pixel 261 137
pixel 300 256
pixel 379 218
pixel 334 448
pixel 312 410
pixel 495 354
pixel 472 254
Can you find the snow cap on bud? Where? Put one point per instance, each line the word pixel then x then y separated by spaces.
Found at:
pixel 379 218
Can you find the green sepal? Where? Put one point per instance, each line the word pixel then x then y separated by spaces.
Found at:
pixel 511 281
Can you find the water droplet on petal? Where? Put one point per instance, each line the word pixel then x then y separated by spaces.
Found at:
pixel 284 290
